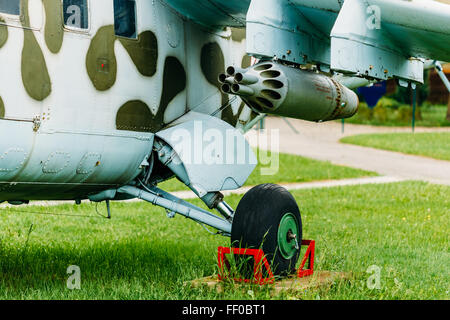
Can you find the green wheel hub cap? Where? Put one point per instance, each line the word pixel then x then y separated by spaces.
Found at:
pixel 286 230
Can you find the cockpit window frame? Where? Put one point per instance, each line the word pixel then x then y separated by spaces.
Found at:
pixel 2 13
pixel 135 36
pixel 18 21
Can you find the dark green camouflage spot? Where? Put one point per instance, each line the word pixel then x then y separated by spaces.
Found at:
pixel 246 62
pixel 35 77
pixel 54 33
pixel 3 33
pixel 101 61
pixel 174 82
pixel 2 109
pixel 213 63
pixel 134 116
pixel 238 34
pixel 143 52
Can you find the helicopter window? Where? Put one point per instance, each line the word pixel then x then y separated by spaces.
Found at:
pixel 125 18
pixel 10 7
pixel 76 14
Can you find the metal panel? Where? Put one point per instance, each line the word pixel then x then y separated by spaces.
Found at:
pixel 360 45
pixel 377 38
pixel 213 13
pixel 279 29
pixel 211 167
pixel 66 165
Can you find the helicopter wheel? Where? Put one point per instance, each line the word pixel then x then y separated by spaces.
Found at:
pixel 268 217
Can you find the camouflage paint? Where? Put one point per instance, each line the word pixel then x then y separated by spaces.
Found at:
pixel 2 109
pixel 143 52
pixel 3 33
pixel 134 116
pixel 246 61
pixel 238 34
pixel 101 61
pixel 54 33
pixel 35 77
pixel 97 111
pixel 212 64
pixel 174 82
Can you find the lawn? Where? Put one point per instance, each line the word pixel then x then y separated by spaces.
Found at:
pixel 140 254
pixel 430 116
pixel 434 145
pixel 291 169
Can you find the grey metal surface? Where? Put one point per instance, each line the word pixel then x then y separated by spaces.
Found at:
pixel 291 92
pixel 226 167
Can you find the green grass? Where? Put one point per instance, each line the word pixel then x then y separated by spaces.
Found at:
pixel 431 116
pixel 434 145
pixel 291 169
pixel 140 254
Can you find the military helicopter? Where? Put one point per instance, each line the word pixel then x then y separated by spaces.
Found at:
pixel 104 99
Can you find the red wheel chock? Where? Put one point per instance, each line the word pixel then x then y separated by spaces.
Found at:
pixel 260 261
pixel 308 254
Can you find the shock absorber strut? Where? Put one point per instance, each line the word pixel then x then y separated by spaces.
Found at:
pixel 170 159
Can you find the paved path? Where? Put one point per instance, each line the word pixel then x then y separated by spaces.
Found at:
pixel 289 186
pixel 321 141
pixel 307 185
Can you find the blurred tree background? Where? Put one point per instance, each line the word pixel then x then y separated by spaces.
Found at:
pixel 395 108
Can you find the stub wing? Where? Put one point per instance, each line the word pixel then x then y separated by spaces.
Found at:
pixel 385 38
pixel 377 39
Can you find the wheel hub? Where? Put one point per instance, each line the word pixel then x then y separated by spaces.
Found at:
pixel 287 236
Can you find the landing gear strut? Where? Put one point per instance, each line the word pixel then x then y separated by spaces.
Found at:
pixel 266 218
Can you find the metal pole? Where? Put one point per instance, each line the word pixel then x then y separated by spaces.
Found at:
pixel 262 123
pixel 440 72
pixel 252 123
pixel 188 210
pixel 414 93
pixel 290 125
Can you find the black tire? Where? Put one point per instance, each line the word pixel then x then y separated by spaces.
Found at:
pixel 256 224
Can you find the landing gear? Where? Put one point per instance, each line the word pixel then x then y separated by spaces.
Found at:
pixel 268 217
